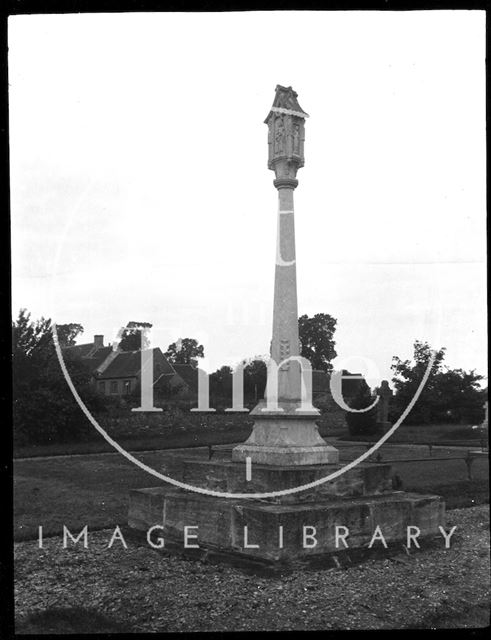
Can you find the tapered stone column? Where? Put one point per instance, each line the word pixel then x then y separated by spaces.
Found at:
pixel 285 432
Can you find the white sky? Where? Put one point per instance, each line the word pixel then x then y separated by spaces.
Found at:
pixel 140 189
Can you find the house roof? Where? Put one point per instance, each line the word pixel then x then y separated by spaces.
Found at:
pixel 90 355
pixel 82 350
pixel 98 357
pixel 189 374
pixel 127 364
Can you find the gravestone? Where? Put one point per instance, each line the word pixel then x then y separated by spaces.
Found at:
pixel 250 505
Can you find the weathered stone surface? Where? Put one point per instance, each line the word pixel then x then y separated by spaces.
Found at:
pixel 230 477
pixel 289 454
pixel 289 437
pixel 221 522
pixel 283 437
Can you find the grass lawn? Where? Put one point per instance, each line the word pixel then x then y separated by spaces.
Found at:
pixel 217 431
pixel 149 442
pixel 94 489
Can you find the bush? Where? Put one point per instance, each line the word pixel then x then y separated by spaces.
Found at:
pixel 50 414
pixel 362 423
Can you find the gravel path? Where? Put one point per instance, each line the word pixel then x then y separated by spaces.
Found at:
pixel 144 591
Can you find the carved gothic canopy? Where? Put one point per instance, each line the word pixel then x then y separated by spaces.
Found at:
pixel 286 99
pixel 286 128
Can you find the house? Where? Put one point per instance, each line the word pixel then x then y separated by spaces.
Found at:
pixel 118 373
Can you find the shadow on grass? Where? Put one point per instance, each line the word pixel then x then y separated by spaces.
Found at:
pixel 68 620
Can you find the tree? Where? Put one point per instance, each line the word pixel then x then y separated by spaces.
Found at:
pixel 221 381
pixel 44 409
pixel 460 398
pixel 185 351
pixel 316 340
pixel 221 386
pixel 449 395
pixel 255 376
pixel 131 338
pixel 364 423
pixel 67 333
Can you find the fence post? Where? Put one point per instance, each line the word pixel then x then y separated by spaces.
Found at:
pixel 469 459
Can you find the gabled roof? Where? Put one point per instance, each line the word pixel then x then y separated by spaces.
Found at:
pixel 98 358
pixel 127 364
pixel 81 350
pixel 90 355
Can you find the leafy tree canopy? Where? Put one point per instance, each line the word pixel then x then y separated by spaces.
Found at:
pixel 449 395
pixel 68 333
pixel 185 351
pixel 131 338
pixel 44 409
pixel 316 340
pixel 255 376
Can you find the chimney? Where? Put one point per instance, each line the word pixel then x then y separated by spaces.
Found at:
pixel 98 341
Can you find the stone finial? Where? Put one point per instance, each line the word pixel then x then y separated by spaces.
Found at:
pixel 286 135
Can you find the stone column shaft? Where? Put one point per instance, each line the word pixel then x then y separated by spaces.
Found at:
pixel 285 432
pixel 285 340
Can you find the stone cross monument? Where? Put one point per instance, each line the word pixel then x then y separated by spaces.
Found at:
pixel 284 429
pixel 243 509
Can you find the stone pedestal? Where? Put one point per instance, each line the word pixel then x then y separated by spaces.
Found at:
pixel 286 437
pixel 282 528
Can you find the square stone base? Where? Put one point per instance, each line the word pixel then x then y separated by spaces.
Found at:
pixel 282 532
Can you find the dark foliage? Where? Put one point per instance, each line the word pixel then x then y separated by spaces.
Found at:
pixel 364 423
pixel 185 351
pixel 133 335
pixel 44 409
pixel 449 395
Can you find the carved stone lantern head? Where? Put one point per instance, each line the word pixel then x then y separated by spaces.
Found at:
pixel 286 135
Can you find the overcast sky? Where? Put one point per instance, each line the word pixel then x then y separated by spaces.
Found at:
pixel 140 189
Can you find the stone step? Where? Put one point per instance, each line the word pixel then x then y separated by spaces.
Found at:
pixel 230 477
pixel 254 528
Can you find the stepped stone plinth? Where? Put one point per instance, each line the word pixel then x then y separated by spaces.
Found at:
pixel 273 531
pixel 230 477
